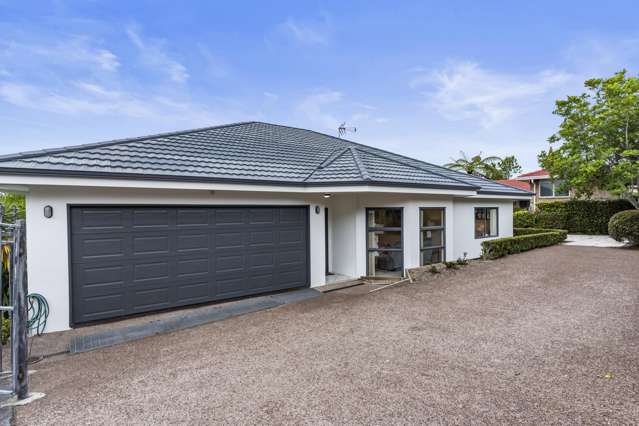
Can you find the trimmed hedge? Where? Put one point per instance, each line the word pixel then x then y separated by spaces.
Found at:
pixel 625 226
pixel 579 216
pixel 527 231
pixel 492 249
pixel 523 219
pixel 551 220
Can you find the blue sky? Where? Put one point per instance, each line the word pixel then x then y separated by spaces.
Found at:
pixel 425 79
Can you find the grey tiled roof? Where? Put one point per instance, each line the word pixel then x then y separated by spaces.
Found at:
pixel 251 152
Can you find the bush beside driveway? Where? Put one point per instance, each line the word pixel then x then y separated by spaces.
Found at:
pixel 545 336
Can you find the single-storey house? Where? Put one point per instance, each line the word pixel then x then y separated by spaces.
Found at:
pixel 150 223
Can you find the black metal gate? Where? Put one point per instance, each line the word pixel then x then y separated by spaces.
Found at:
pixel 13 306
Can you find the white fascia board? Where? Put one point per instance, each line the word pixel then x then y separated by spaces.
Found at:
pixel 528 178
pixel 13 188
pixel 501 197
pixel 24 182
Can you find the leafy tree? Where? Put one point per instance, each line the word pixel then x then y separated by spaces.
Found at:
pixel 599 138
pixel 503 169
pixel 10 200
pixel 475 165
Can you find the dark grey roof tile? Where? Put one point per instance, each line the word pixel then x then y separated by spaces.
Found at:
pixel 252 151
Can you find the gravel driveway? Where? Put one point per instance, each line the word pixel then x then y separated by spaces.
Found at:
pixel 548 336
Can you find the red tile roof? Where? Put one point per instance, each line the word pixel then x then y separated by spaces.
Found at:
pixel 515 184
pixel 540 172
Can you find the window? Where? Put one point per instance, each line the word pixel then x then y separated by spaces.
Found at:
pixel 545 188
pixel 432 235
pixel 549 188
pixel 559 191
pixel 385 254
pixel 486 222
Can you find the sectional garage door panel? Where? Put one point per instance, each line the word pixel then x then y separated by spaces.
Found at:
pixel 128 260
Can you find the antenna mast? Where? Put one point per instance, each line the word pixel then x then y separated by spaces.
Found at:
pixel 342 129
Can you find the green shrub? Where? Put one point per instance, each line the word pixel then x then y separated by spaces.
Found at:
pixel 527 231
pixel 625 226
pixel 551 220
pixel 581 216
pixel 523 219
pixel 499 247
pixel 451 265
pixel 5 332
pixel 555 206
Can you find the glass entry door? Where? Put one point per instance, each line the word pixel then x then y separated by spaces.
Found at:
pixel 432 229
pixel 384 242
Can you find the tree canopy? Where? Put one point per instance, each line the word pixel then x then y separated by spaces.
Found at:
pixel 10 200
pixel 475 165
pixel 598 139
pixel 490 167
pixel 505 168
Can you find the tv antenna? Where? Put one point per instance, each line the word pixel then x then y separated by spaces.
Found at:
pixel 342 129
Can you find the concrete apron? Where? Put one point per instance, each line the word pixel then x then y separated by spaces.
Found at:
pixel 104 335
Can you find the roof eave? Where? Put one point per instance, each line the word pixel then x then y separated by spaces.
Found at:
pixel 516 194
pixel 203 179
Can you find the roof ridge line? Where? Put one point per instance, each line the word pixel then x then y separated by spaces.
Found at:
pixel 330 158
pixel 82 147
pixel 377 149
pixel 360 164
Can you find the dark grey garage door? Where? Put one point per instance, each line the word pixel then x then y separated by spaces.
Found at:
pixel 128 260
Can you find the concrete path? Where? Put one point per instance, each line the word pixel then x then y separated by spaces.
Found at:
pixel 592 241
pixel 548 336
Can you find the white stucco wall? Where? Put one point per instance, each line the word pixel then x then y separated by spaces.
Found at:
pixel 464 218
pixel 342 223
pixel 47 239
pixel 349 227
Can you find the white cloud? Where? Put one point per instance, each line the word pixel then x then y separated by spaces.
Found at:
pixel 97 100
pixel 271 97
pixel 74 50
pixel 84 99
pixel 327 109
pixel 465 91
pixel 97 90
pixel 601 56
pixel 106 60
pixel 313 107
pixel 308 33
pixel 215 65
pixel 152 54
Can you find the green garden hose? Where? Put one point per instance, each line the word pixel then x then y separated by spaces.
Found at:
pixel 37 313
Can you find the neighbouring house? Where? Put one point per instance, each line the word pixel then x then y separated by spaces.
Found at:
pixel 524 186
pixel 156 222
pixel 546 189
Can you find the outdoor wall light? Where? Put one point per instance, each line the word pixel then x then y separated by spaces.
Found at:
pixel 318 210
pixel 48 212
pixel 327 195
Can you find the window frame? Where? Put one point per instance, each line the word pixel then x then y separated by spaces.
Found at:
pixel 385 228
pixel 432 228
pixel 554 190
pixel 475 223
